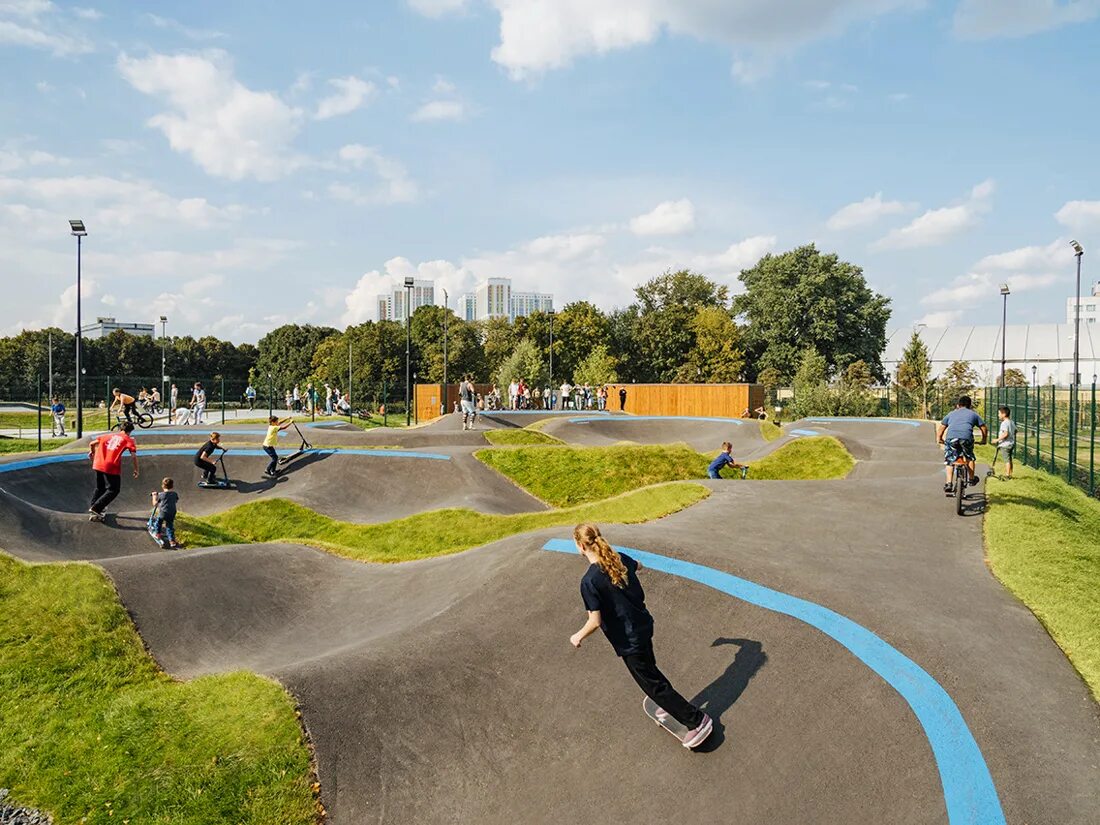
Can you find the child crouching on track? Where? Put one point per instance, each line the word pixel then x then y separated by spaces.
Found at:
pixel 163 521
pixel 615 602
pixel 723 459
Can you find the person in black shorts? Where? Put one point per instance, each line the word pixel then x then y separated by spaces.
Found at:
pixel 204 459
pixel 615 602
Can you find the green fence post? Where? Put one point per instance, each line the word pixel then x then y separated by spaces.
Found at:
pixel 1053 420
pixel 1027 422
pixel 223 400
pixel 39 402
pixel 1092 440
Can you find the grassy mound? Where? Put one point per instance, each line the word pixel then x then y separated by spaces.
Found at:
pixel 93 732
pixel 424 535
pixel 511 438
pixel 770 430
pixel 30 445
pixel 568 476
pixel 1041 539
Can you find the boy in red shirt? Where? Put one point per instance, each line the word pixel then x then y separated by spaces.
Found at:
pixel 106 455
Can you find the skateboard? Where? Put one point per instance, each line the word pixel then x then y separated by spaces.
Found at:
pixel 670 724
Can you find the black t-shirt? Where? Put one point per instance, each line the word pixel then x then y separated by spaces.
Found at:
pixel 166 503
pixel 207 448
pixel 624 619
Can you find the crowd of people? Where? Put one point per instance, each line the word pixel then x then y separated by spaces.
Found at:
pixel 329 401
pixel 521 395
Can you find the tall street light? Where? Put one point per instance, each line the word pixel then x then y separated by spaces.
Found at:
pixel 409 284
pixel 1079 253
pixel 1004 320
pixel 446 386
pixel 551 313
pixel 163 357
pixel 77 230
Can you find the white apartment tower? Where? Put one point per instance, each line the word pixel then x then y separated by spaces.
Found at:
pixel 467 307
pixel 391 305
pixel 493 299
pixel 1090 306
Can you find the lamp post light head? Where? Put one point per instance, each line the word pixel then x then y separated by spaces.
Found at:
pixel 77 229
pixel 1004 289
pixel 164 319
pixel 409 281
pixel 1078 250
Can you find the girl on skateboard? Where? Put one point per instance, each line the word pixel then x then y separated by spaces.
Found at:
pixel 615 602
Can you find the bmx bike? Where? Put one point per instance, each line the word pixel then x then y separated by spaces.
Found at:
pixel 139 418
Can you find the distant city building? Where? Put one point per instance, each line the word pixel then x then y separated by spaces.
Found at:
pixel 105 326
pixel 467 307
pixel 493 299
pixel 1090 306
pixel 524 303
pixel 391 305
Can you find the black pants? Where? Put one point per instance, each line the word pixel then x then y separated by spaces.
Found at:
pixel 653 683
pixel 209 470
pixel 274 464
pixel 127 409
pixel 107 486
pixel 622 403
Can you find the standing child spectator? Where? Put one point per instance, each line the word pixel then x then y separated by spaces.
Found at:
pixel 174 398
pixel 615 602
pixel 250 396
pixel 106 455
pixel 328 399
pixel 162 524
pixel 274 426
pixel 198 402
pixel 1006 438
pixel 289 401
pixel 57 410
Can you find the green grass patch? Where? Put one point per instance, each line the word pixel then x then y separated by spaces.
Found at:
pixel 30 445
pixel 770 430
pixel 525 437
pixel 93 419
pixel 94 732
pixel 568 476
pixel 1041 540
pixel 424 535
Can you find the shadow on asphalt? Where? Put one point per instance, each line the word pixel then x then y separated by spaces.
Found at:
pixel 720 695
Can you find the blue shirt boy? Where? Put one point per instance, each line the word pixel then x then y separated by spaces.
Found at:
pixel 960 423
pixel 723 459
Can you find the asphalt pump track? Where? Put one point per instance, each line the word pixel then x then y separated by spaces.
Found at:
pixel 445 690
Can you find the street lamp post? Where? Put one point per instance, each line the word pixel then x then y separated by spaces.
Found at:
pixel 77 230
pixel 1079 253
pixel 446 386
pixel 1034 376
pixel 163 356
pixel 551 359
pixel 1004 320
pixel 409 284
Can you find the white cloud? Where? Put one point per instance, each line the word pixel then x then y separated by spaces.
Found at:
pixel 898 97
pixel 109 203
pixel 1025 269
pixel 13 158
pixel 985 19
pixel 437 110
pixel 938 225
pixel 540 35
pixel 168 24
pixel 38 24
pixel 87 13
pixel 667 218
pixel 564 247
pixel 228 129
pixel 351 93
pixel 738 256
pixel 865 212
pixel 443 86
pixel 44 87
pixel 1052 256
pixel 1079 214
pixel 361 302
pixel 437 8
pixel 397 186
pixel 943 318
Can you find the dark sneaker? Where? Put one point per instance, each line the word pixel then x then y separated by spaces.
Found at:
pixel 948 488
pixel 694 738
pixel 975 481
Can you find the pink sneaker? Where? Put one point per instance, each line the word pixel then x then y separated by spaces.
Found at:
pixel 694 738
pixel 662 715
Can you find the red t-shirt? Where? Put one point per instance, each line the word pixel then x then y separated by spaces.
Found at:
pixel 109 450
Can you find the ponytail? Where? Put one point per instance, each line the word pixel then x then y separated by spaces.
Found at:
pixel 589 538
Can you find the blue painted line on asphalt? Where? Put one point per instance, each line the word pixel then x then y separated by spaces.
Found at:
pixel 842 419
pixel 42 461
pixel 804 432
pixel 491 413
pixel 202 431
pixel 968 788
pixel 627 418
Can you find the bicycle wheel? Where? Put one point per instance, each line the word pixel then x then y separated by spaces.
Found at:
pixel 117 426
pixel 144 420
pixel 961 482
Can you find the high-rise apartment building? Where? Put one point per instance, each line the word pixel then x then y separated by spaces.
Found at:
pixel 391 305
pixel 524 303
pixel 493 299
pixel 1090 306
pixel 467 307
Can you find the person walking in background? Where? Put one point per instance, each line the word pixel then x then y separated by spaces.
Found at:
pixel 296 398
pixel 615 602
pixel 622 399
pixel 565 390
pixel 250 396
pixel 57 411
pixel 174 397
pixel 106 455
pixel 198 403
pixel 513 392
pixel 467 396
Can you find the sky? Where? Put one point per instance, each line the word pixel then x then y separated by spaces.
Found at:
pixel 243 165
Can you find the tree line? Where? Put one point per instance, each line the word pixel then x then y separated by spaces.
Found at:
pixel 681 327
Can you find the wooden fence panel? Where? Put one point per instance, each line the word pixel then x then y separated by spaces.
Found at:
pixel 708 400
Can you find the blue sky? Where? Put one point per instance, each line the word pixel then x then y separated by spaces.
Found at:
pixel 239 167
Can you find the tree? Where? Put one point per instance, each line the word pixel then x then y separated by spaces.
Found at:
pixel 805 298
pixel 578 329
pixel 811 392
pixel 667 306
pixel 914 370
pixel 716 357
pixel 525 362
pixel 498 342
pixel 622 328
pixel 597 368
pixel 1015 378
pixel 958 379
pixel 286 353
